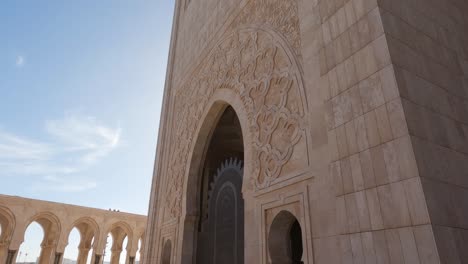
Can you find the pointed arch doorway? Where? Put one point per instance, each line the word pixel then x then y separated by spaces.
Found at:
pixel 215 205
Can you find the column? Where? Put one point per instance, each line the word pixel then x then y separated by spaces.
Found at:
pixel 11 257
pixel 3 252
pixel 115 256
pixel 96 259
pixel 58 258
pixel 46 254
pixel 83 253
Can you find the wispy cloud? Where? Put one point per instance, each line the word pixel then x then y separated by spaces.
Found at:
pixel 20 60
pixel 56 184
pixel 13 147
pixel 76 143
pixel 84 135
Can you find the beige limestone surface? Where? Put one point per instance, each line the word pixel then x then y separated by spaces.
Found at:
pixel 353 117
pixel 58 220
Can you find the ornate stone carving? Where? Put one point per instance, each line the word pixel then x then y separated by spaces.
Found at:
pixel 198 29
pixel 278 14
pixel 254 64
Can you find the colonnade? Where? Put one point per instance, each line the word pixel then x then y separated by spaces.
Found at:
pixel 58 220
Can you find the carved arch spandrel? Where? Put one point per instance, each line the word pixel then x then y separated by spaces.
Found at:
pixel 257 65
pixel 85 221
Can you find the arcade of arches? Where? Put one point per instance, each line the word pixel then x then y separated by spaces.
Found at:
pixel 58 220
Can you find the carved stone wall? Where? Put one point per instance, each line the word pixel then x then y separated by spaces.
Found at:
pixel 340 121
pixel 259 65
pixel 199 28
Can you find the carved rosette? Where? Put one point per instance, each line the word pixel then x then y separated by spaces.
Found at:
pixel 254 64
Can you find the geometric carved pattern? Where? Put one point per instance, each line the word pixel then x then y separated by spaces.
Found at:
pixel 254 64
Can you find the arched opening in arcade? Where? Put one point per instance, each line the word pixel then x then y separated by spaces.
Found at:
pixel 124 254
pixel 285 240
pixel 30 249
pixel 81 242
pixel 71 251
pixel 116 245
pixel 40 240
pixel 139 251
pixel 89 257
pixel 214 194
pixel 108 249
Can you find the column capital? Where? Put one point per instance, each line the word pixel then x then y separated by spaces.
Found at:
pixel 84 248
pixel 116 250
pixel 47 246
pixel 4 243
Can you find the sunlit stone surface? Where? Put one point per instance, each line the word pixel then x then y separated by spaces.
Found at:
pixel 348 121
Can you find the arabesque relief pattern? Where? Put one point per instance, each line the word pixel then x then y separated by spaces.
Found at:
pixel 253 63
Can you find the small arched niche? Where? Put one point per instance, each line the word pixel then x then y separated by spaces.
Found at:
pixel 166 254
pixel 285 239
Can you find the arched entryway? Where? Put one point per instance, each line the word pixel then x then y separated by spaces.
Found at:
pixel 214 194
pixel 285 240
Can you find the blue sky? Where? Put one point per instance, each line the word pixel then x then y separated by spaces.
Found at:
pixel 81 85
